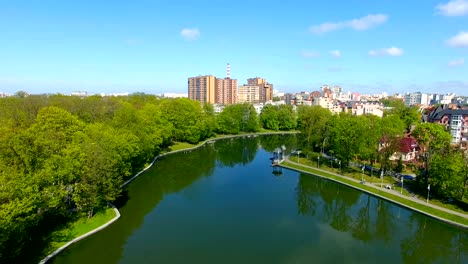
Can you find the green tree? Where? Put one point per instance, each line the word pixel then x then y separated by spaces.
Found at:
pixel 269 117
pixel 433 139
pixel 187 118
pixel 314 122
pixel 238 118
pixel 286 117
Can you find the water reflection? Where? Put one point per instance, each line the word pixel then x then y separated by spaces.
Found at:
pixel 224 203
pixel 369 219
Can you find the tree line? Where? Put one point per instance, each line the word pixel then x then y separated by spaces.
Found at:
pixel 63 156
pixel 373 140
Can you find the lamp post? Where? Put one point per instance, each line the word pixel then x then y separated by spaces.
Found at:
pixel 340 166
pixel 428 190
pixel 363 167
pixel 298 153
pixel 381 179
pixel 318 162
pixel 401 185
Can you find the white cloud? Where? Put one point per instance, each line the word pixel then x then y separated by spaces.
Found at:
pixel 460 40
pixel 455 63
pixel 393 51
pixel 362 23
pixel 453 8
pixel 190 34
pixel 310 54
pixel 335 53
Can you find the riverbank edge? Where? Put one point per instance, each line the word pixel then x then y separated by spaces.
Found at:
pixel 92 232
pixel 460 225
pixel 203 143
pixel 117 212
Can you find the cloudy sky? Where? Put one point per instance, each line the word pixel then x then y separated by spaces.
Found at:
pixel 366 46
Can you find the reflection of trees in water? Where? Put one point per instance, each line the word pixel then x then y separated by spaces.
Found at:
pixel 337 201
pixel 236 150
pixel 270 142
pixel 362 223
pixel 169 174
pixel 385 223
pixel 427 242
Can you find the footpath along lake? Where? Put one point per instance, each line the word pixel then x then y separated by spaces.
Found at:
pixel 224 203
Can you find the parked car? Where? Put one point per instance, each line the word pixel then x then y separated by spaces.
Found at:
pixel 407 177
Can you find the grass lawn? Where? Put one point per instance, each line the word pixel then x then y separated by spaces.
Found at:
pixel 421 207
pixel 181 145
pixel 77 228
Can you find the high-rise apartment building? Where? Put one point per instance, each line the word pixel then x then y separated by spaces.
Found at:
pixel 265 88
pixel 248 94
pixel 202 89
pixel 417 99
pixel 226 91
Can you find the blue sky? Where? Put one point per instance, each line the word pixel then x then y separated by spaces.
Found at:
pixel 367 46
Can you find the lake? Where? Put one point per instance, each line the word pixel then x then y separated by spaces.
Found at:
pixel 224 203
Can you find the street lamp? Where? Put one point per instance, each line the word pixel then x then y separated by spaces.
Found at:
pixel 298 153
pixel 401 184
pixel 318 162
pixel 340 166
pixel 428 190
pixel 363 167
pixel 381 179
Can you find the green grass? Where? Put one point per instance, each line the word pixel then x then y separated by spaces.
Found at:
pixel 77 228
pixel 181 145
pixel 421 207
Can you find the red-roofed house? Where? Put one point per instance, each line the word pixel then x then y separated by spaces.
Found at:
pixel 408 150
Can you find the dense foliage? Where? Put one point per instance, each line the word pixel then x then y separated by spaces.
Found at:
pixel 61 156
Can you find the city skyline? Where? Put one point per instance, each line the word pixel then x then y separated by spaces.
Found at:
pixel 154 46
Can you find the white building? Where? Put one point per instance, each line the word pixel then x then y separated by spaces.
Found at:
pixel 175 95
pixel 367 108
pixel 417 98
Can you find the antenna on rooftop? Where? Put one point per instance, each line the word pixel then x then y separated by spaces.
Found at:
pixel 228 71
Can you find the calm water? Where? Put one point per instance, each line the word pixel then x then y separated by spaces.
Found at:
pixel 224 203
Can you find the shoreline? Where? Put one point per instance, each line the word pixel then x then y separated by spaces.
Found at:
pixel 460 225
pixel 364 190
pixel 99 228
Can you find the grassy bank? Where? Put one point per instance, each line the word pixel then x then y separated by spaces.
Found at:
pixel 76 228
pixel 392 197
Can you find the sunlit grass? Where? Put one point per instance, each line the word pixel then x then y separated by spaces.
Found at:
pixel 390 196
pixel 181 145
pixel 74 229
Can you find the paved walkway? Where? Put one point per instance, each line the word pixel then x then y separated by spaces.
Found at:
pixel 415 199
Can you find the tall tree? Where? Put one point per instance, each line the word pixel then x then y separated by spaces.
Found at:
pixel 313 122
pixel 433 139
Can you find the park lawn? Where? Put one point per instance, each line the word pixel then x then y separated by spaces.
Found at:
pixel 76 228
pixel 181 145
pixel 415 205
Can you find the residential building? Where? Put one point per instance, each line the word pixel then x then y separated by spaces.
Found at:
pixel 175 95
pixel 417 99
pixel 80 93
pixel 408 150
pixel 370 108
pixel 226 91
pixel 248 94
pixel 455 121
pixel 289 98
pixel 265 88
pixel 202 88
